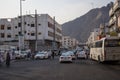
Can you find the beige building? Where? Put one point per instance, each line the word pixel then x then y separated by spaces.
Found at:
pixel 93 36
pixel 114 22
pixel 68 42
pixel 46 31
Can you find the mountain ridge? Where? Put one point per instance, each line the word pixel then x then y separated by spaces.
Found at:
pixel 81 27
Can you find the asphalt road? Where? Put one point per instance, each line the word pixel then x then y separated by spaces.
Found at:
pixel 53 70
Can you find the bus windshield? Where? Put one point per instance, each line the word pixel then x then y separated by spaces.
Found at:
pixel 112 43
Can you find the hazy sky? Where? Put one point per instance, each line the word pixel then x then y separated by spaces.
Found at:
pixel 63 10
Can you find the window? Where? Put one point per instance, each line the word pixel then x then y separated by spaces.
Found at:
pixel 28 24
pixel 19 24
pixel 50 34
pixel 2 27
pixel 15 26
pixel 59 31
pixel 32 34
pixel 39 24
pixel 25 23
pixel 50 25
pixel 16 35
pixel 19 32
pixel 98 44
pixel 9 28
pixel 112 43
pixel 9 36
pixel 32 25
pixel 2 35
pixel 39 33
pixel 25 31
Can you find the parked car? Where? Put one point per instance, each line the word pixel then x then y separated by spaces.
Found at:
pixel 65 57
pixel 72 54
pixel 62 51
pixel 49 53
pixel 81 54
pixel 20 54
pixel 46 54
pixel 39 55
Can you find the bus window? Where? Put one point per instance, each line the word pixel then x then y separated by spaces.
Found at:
pixel 112 43
pixel 98 44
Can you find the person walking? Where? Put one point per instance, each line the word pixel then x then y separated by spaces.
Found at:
pixel 7 59
pixel 53 54
pixel 1 59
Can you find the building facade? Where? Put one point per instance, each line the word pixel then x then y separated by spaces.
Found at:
pixel 93 36
pixel 68 42
pixel 114 22
pixel 42 29
pixel 98 33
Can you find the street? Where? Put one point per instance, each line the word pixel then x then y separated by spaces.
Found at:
pixel 50 69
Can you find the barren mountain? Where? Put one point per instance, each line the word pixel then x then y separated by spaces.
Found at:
pixel 81 27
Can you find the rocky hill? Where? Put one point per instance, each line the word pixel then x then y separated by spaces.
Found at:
pixel 81 27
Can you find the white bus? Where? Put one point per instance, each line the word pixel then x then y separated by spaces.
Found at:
pixel 106 49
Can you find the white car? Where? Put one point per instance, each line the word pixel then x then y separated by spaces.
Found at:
pixel 72 54
pixel 46 54
pixel 65 57
pixel 49 53
pixel 40 55
pixel 81 54
pixel 20 54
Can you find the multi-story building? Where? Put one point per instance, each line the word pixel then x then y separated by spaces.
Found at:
pixel 93 36
pixel 98 33
pixel 45 31
pixel 114 22
pixel 68 42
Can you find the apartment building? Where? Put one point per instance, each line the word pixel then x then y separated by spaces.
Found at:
pixel 45 31
pixel 94 35
pixel 68 42
pixel 114 22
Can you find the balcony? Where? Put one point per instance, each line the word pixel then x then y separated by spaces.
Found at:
pixel 111 12
pixel 116 6
pixel 112 22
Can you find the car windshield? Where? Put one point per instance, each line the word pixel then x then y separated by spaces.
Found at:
pixel 40 53
pixel 70 52
pixel 65 54
pixel 23 52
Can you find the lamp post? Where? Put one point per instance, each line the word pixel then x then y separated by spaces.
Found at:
pixel 21 37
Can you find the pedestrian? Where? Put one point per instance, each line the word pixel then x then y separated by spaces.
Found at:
pixel 32 55
pixel 53 54
pixel 7 59
pixel 1 60
pixel 28 55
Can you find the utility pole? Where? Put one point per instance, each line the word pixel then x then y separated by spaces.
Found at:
pixel 21 34
pixel 36 30
pixel 54 41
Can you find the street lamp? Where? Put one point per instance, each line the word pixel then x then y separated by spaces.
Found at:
pixel 21 37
